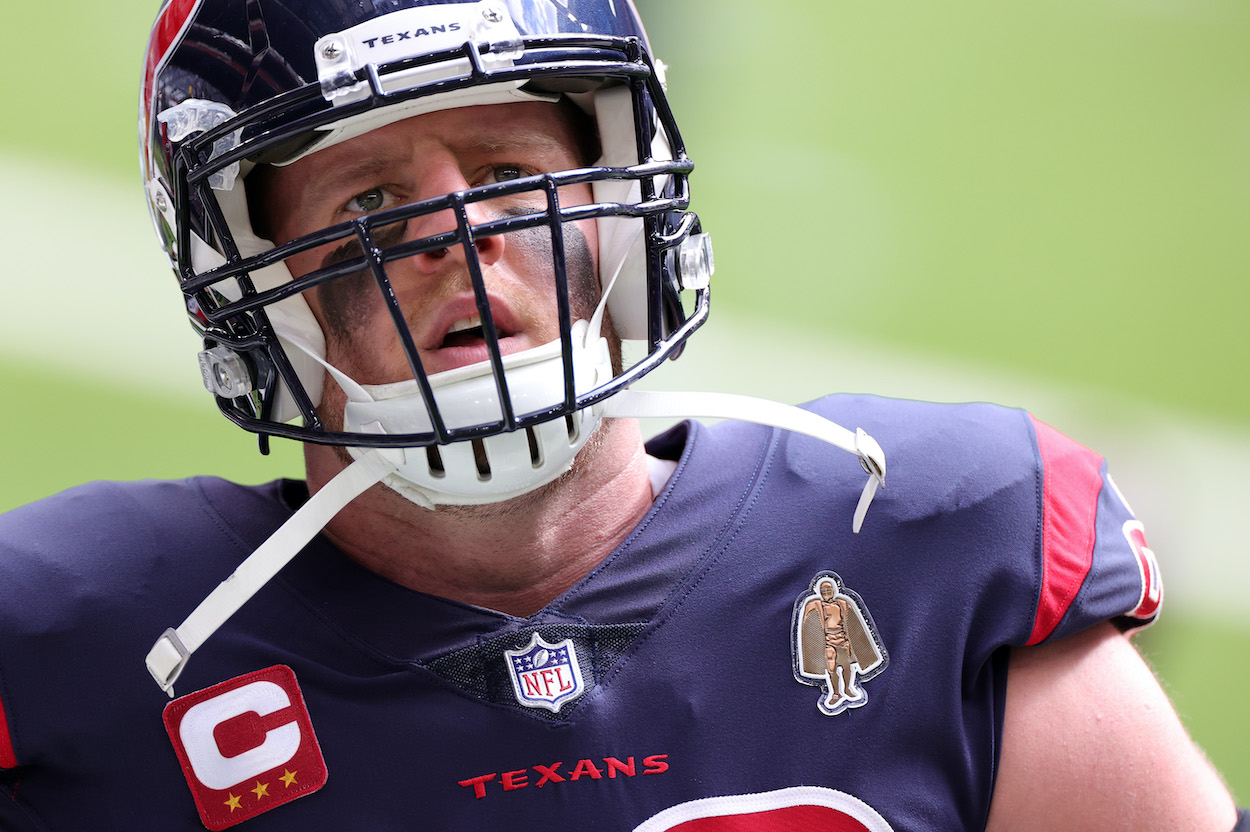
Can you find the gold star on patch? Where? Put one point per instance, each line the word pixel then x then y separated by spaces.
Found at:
pixel 261 790
pixel 288 777
pixel 233 802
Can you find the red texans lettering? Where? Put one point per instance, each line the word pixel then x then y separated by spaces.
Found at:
pixel 612 768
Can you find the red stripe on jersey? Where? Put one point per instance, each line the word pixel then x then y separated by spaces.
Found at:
pixel 7 758
pixel 1071 482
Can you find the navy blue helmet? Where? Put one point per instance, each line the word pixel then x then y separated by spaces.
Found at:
pixel 233 89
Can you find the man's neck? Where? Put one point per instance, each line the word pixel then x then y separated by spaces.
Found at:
pixel 514 557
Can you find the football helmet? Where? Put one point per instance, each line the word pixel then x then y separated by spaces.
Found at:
pixel 231 87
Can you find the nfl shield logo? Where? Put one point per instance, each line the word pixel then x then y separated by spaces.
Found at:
pixel 545 675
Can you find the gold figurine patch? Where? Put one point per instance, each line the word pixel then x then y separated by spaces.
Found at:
pixel 836 645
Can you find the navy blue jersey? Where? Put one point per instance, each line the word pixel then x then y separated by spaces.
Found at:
pixel 742 652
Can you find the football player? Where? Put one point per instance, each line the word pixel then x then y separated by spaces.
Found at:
pixel 437 242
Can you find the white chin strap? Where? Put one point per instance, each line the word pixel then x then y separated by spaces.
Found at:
pixel 638 404
pixel 169 655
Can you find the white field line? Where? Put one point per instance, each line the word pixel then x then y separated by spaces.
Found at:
pixel 87 292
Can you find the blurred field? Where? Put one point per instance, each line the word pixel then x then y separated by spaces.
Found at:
pixel 1061 189
pixel 1041 204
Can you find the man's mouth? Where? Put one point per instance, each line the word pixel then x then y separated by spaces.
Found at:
pixel 468 332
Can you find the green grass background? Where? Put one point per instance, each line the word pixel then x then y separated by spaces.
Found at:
pixel 1055 193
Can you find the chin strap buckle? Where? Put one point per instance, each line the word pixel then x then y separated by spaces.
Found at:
pixel 872 460
pixel 166 660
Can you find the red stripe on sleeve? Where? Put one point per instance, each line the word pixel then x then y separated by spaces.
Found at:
pixel 1071 482
pixel 7 758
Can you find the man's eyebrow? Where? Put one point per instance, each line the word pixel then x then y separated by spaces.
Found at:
pixel 354 173
pixel 521 140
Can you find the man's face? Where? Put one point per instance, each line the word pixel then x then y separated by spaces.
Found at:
pixel 420 158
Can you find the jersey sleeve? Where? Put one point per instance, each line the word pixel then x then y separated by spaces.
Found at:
pixel 1095 562
pixel 8 759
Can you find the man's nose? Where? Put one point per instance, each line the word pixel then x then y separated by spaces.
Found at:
pixel 441 179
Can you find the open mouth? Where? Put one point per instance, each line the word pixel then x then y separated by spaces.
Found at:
pixel 468 332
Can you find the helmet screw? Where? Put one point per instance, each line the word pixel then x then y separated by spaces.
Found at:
pixel 492 15
pixel 332 51
pixel 161 202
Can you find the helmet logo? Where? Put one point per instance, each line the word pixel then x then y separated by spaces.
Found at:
pixel 386 40
pixel 835 643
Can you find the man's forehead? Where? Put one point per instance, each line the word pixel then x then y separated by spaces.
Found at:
pixel 484 130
